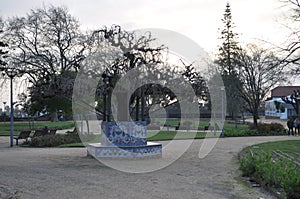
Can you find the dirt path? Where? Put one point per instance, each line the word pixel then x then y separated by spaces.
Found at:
pixel 68 173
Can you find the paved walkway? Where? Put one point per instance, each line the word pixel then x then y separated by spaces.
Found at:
pixel 4 141
pixel 69 173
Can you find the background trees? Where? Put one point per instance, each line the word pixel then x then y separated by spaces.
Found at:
pixel 291 52
pixel 46 45
pixel 132 51
pixel 3 46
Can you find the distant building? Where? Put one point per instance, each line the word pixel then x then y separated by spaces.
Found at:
pixel 275 107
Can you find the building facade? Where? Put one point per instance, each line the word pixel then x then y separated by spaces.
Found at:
pixel 275 107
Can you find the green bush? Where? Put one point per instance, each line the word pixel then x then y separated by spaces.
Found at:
pixel 270 172
pixel 54 140
pixel 239 132
pixel 291 181
pixel 268 129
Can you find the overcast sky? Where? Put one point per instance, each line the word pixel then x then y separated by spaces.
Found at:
pixel 255 20
pixel 197 19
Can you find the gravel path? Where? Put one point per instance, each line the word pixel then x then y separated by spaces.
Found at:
pixel 69 173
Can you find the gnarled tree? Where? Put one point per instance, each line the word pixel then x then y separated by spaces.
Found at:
pixel 47 44
pixel 260 70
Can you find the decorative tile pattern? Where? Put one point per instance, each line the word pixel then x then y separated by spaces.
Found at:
pixel 124 133
pixel 149 151
pixel 125 140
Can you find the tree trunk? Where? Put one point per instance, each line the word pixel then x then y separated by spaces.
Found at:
pixel 255 118
pixel 122 110
pixel 137 108
pixel 87 126
pixel 54 117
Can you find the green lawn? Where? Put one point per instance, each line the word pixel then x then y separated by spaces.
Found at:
pixel 202 124
pixel 153 136
pixel 290 147
pixel 18 126
pixel 169 135
pixel 286 146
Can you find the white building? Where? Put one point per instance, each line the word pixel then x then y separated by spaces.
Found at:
pixel 283 110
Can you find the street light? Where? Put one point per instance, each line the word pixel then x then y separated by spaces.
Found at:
pixel 223 106
pixel 11 73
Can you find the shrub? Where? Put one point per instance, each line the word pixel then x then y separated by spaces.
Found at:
pixel 239 132
pixel 291 181
pixel 268 129
pixel 54 140
pixel 280 173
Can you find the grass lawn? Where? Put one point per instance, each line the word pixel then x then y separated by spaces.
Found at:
pixel 290 147
pixel 202 124
pixel 153 136
pixel 18 126
pixel 286 146
pixel 169 135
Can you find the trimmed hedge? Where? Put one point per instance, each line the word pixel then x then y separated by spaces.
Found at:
pixel 272 129
pixel 269 129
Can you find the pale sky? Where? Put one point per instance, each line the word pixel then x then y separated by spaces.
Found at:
pixel 255 20
pixel 197 19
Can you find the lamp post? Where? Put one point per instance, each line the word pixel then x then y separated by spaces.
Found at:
pixel 223 116
pixel 11 73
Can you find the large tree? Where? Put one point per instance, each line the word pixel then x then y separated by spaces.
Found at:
pixel 260 70
pixel 132 50
pixel 291 51
pixel 128 50
pixel 3 46
pixel 228 63
pixel 47 44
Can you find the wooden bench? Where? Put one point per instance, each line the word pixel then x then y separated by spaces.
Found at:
pixel 23 135
pixel 206 128
pixel 38 133
pixel 52 132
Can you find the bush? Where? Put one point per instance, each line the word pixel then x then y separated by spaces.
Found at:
pixel 269 129
pixel 291 182
pixel 271 173
pixel 54 140
pixel 239 132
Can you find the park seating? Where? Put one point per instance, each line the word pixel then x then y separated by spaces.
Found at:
pixel 43 132
pixel 52 132
pixel 206 128
pixel 38 133
pixel 23 135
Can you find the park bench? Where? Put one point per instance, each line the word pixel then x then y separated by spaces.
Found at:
pixel 38 133
pixel 206 128
pixel 172 126
pixel 23 135
pixel 52 132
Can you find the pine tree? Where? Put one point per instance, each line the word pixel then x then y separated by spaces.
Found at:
pixel 229 48
pixel 228 63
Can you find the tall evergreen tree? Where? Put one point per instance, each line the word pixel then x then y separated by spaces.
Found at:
pixel 228 63
pixel 228 51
